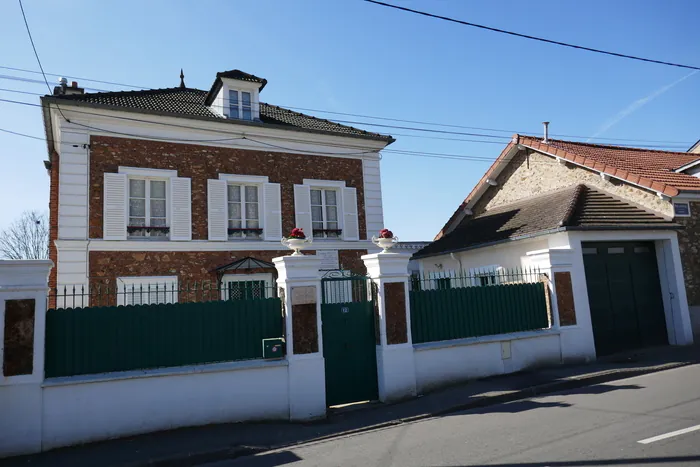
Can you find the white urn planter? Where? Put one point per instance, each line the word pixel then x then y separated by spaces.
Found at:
pixel 385 243
pixel 296 244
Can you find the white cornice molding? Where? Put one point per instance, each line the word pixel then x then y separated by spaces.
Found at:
pixel 202 245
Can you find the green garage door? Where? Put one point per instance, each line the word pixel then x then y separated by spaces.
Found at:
pixel 624 295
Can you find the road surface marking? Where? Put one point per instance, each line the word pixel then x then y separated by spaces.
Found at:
pixel 670 435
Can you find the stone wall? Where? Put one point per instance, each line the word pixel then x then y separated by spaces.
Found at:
pixel 531 173
pixel 201 163
pixel 689 242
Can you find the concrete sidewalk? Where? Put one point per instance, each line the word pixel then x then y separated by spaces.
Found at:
pixel 198 445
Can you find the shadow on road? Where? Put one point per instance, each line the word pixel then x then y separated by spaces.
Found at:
pixel 273 459
pixel 594 462
pixel 516 407
pixel 603 388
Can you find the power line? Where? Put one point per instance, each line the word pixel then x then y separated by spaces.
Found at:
pixel 189 127
pixel 76 77
pixel 683 143
pixel 526 36
pixel 22 134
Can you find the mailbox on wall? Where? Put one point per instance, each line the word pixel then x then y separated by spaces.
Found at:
pixel 273 348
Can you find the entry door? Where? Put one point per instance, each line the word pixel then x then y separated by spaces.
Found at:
pixel 349 346
pixel 624 293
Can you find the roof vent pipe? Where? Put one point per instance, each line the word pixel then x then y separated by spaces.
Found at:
pixel 546 132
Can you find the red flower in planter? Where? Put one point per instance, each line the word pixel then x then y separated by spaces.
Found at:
pixel 386 233
pixel 297 233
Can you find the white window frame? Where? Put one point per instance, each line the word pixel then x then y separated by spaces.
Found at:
pixel 250 180
pixel 330 185
pixel 147 195
pixel 140 285
pixel 139 173
pixel 687 203
pixel 492 273
pixel 239 93
pixel 228 278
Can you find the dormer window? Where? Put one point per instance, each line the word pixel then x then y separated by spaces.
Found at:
pixel 240 105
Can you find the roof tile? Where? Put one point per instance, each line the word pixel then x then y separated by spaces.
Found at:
pixel 188 102
pixel 575 207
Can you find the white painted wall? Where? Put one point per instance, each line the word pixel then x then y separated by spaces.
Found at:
pixel 444 363
pixel 507 255
pixel 84 409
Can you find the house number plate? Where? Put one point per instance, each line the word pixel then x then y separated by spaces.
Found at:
pixel 344 309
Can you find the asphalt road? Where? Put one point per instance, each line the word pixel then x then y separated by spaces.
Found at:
pixel 594 426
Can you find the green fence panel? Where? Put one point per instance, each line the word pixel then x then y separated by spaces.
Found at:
pixel 456 313
pixel 82 341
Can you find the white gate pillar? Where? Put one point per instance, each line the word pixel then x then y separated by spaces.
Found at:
pixel 299 281
pixel 23 298
pixel 396 369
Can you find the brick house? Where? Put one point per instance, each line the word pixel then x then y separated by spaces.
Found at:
pixel 180 185
pixel 626 219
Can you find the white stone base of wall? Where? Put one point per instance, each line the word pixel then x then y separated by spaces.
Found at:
pixel 443 363
pixel 81 409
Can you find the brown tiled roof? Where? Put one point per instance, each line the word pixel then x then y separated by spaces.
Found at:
pixel 577 207
pixel 190 102
pixel 648 168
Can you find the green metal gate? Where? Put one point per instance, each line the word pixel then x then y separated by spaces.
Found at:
pixel 349 342
pixel 624 293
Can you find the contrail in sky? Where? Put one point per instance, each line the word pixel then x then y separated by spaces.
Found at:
pixel 636 105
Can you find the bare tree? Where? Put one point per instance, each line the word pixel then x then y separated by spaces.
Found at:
pixel 26 238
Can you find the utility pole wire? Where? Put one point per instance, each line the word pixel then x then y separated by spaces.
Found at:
pixel 534 38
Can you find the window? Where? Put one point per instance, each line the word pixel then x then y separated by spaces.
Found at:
pixel 324 213
pixel 681 209
pixel 146 290
pixel 487 275
pixel 243 211
pixel 240 105
pixel 147 208
pixel 443 283
pixel 246 286
pixel 486 279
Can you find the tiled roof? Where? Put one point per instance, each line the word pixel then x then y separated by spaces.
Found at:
pixel 189 102
pixel 242 76
pixel 651 169
pixel 648 168
pixel 577 207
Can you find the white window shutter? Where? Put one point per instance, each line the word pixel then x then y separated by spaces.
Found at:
pixel 351 226
pixel 217 206
pixel 115 212
pixel 302 208
pixel 180 209
pixel 272 211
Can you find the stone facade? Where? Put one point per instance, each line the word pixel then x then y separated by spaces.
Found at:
pixel 689 243
pixel 18 357
pixel 395 307
pixel 53 217
pixel 531 173
pixel 565 298
pixel 189 266
pixel 201 163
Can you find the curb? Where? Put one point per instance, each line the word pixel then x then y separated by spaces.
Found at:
pixel 476 403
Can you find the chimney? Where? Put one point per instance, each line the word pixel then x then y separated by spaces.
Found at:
pixel 63 90
pixel 546 132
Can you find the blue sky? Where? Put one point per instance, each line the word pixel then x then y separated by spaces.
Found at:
pixel 351 56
